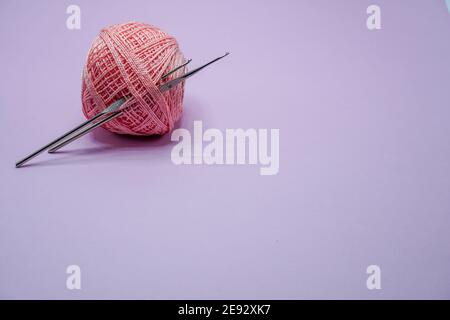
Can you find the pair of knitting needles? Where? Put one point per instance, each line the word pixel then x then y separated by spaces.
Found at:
pixel 108 114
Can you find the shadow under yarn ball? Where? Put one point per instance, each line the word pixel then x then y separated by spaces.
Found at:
pixel 128 60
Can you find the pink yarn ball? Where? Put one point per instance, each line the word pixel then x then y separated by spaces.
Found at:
pixel 128 60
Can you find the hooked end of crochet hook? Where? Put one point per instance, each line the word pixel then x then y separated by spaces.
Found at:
pixel 191 73
pixel 176 69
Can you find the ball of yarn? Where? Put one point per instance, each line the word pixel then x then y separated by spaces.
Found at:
pixel 128 60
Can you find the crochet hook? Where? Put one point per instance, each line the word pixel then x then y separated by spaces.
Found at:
pixel 108 114
pixel 111 109
pixel 115 113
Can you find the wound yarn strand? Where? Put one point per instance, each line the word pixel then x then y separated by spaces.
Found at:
pixel 128 60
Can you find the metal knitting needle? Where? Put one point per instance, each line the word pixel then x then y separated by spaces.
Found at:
pixel 111 109
pixel 165 87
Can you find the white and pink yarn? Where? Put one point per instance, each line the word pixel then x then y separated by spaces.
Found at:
pixel 128 60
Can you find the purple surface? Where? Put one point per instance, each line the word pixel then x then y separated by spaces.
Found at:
pixel 364 156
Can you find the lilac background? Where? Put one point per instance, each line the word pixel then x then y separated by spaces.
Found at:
pixel 364 161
